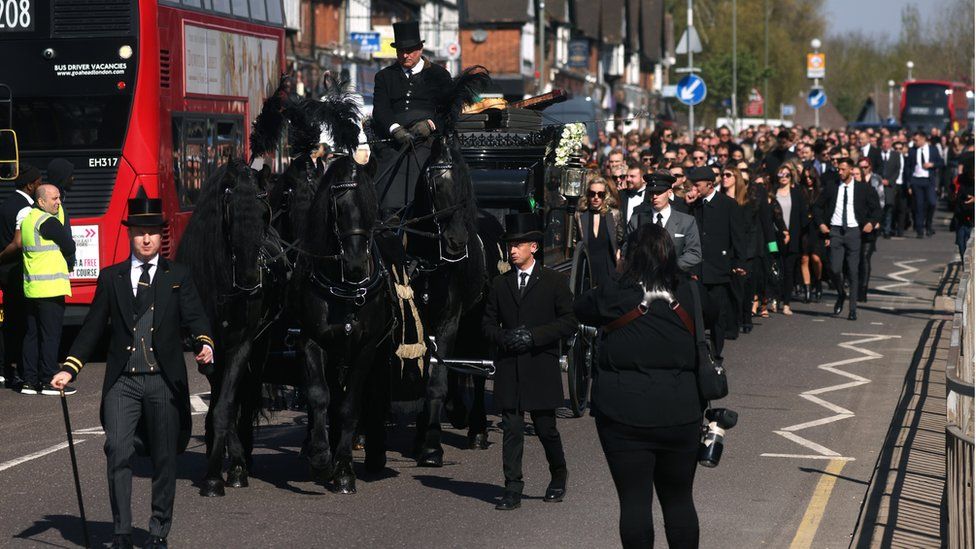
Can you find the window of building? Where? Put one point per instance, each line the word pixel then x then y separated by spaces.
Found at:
pixel 201 144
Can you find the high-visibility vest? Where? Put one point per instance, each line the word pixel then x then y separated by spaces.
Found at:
pixel 45 269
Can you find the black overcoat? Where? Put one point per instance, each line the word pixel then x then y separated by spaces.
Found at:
pixel 402 100
pixel 533 380
pixel 177 308
pixel 721 228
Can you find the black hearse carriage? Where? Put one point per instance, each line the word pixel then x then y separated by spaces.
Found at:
pixel 513 170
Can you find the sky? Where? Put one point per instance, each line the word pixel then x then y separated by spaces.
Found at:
pixel 871 17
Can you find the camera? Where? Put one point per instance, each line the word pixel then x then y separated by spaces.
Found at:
pixel 713 435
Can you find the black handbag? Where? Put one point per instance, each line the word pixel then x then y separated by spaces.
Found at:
pixel 712 381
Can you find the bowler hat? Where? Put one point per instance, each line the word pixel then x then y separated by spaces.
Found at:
pixel 701 174
pixel 406 35
pixel 659 181
pixel 145 212
pixel 522 227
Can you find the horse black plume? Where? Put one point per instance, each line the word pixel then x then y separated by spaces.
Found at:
pixel 266 128
pixel 303 128
pixel 339 111
pixel 464 90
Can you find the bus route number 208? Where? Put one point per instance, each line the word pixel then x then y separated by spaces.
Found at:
pixel 103 162
pixel 16 15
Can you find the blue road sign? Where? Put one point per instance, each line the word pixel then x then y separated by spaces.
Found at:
pixel 817 98
pixel 691 90
pixel 369 42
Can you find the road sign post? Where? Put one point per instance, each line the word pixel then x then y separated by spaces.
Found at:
pixel 816 69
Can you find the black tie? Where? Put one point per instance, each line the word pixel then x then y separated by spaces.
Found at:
pixel 523 278
pixel 660 219
pixel 843 215
pixel 143 294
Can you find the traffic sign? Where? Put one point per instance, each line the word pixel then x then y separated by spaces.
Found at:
pixel 453 50
pixel 756 105
pixel 690 37
pixel 817 98
pixel 816 65
pixel 691 90
pixel 369 42
pixel 788 110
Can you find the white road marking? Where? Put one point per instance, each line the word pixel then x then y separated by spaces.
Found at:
pixel 897 275
pixel 89 431
pixel 819 320
pixel 877 323
pixel 838 412
pixel 40 453
pixel 198 405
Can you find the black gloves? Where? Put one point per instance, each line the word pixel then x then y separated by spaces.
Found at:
pixel 420 130
pixel 517 341
pixel 402 136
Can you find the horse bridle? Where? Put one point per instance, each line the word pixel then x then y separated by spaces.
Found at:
pixel 262 262
pixel 437 214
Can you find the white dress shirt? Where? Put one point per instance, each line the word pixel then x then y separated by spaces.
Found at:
pixel 136 271
pixel 519 277
pixel 709 198
pixel 409 72
pixel 838 218
pixel 634 201
pixel 921 158
pixel 901 168
pixel 22 213
pixel 665 215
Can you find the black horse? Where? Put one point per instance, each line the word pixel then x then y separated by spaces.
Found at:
pixel 228 246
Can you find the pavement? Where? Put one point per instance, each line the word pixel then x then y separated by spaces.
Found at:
pixel 817 398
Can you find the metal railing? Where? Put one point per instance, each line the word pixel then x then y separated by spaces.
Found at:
pixel 959 412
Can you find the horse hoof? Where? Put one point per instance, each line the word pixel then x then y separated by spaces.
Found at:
pixel 431 458
pixel 212 488
pixel 344 484
pixel 237 477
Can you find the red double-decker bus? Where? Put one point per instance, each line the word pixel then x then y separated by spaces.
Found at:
pixel 927 104
pixel 145 94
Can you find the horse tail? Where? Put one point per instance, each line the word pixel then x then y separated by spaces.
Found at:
pixel 465 90
pixel 266 128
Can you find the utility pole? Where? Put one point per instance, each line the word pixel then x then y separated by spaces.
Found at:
pixel 541 45
pixel 765 58
pixel 691 66
pixel 735 69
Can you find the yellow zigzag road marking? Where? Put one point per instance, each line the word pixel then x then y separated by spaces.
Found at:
pixel 839 412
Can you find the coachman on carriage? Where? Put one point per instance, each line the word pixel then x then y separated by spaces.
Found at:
pixel 370 268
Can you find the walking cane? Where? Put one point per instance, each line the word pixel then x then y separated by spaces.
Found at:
pixel 74 468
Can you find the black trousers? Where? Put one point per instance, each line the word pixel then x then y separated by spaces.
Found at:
pixel 645 459
pixel 869 243
pixel 720 296
pixel 14 324
pixel 845 245
pixel 900 213
pixel 45 316
pixel 402 171
pixel 513 443
pixel 789 260
pixel 146 398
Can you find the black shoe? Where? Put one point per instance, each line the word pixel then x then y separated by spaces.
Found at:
pixel 806 293
pixel 510 501
pixel 14 382
pixel 478 442
pixel 554 495
pixel 29 389
pixel 862 296
pixel 818 294
pixel 839 305
pixel 852 315
pixel 49 390
pixel 121 541
pixel 930 232
pixel 746 328
pixel 919 235
pixel 156 542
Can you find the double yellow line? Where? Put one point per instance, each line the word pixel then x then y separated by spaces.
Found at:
pixel 817 506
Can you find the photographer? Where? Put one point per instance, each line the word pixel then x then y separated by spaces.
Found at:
pixel 645 395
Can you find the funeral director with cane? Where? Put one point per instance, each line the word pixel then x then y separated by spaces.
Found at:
pixel 149 301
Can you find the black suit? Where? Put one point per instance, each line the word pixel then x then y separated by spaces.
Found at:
pixel 531 381
pixel 403 100
pixel 845 242
pixel 892 217
pixel 154 408
pixel 12 284
pixel 720 225
pixel 923 188
pixel 874 155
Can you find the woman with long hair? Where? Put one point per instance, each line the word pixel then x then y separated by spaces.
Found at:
pixel 812 247
pixel 599 226
pixel 645 394
pixel 736 188
pixel 794 210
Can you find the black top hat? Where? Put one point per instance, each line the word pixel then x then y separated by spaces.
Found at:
pixel 522 227
pixel 145 212
pixel 659 181
pixel 406 35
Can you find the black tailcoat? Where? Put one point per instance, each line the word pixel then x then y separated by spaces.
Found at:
pixel 533 380
pixel 721 228
pixel 404 101
pixel 177 307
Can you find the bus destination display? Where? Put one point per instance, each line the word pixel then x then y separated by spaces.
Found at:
pixel 16 15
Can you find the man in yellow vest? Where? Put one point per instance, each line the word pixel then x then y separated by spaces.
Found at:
pixel 46 243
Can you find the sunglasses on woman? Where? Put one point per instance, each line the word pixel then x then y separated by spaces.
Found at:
pixel 783 174
pixel 728 174
pixel 596 194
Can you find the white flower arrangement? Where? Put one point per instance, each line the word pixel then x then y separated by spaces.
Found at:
pixel 570 142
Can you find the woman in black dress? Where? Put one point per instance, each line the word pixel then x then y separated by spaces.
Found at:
pixel 645 396
pixel 812 246
pixel 599 227
pixel 793 206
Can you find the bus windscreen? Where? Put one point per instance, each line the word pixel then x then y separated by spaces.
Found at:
pixel 71 123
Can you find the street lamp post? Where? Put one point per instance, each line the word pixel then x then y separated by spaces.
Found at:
pixel 910 65
pixel 891 99
pixel 815 44
pixel 691 64
pixel 735 69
